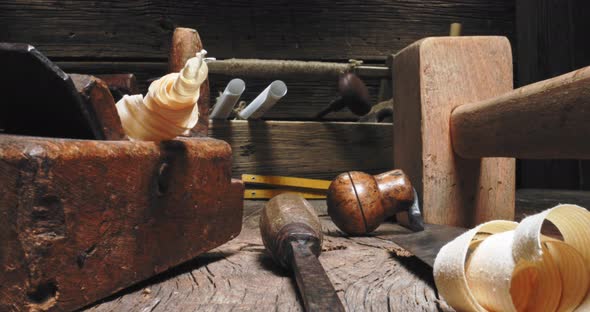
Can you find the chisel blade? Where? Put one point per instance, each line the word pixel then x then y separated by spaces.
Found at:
pixel 426 244
pixel 315 287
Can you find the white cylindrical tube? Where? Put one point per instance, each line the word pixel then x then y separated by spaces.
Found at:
pixel 265 100
pixel 228 99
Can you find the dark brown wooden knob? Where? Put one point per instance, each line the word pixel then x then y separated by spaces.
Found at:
pixel 353 94
pixel 358 202
pixel 286 218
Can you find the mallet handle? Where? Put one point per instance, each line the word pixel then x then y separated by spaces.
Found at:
pixel 547 119
pixel 185 44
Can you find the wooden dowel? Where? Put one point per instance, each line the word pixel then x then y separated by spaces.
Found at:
pixel 455 30
pixel 545 120
pixel 185 44
pixel 282 68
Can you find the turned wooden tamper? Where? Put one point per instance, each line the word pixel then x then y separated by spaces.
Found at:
pixel 359 202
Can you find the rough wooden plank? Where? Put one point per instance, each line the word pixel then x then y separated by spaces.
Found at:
pixel 441 73
pixel 270 29
pixel 305 149
pixel 303 101
pixel 80 220
pixel 240 276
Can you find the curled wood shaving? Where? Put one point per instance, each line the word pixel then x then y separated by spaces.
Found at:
pixel 505 266
pixel 170 107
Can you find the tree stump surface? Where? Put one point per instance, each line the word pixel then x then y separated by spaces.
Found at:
pixel 368 273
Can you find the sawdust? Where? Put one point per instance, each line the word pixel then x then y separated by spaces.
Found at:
pixel 399 252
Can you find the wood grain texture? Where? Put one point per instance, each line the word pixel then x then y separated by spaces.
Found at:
pixel 303 101
pixel 544 120
pixel 370 273
pixel 269 29
pixel 120 84
pixel 81 219
pixel 532 201
pixel 185 45
pixel 358 202
pixel 101 103
pixel 551 40
pixel 240 276
pixel 289 218
pixel 305 149
pixel 441 73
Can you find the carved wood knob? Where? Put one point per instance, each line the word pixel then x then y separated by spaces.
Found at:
pixel 359 202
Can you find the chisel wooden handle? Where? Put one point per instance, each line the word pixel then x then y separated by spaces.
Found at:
pixel 292 232
pixel 289 217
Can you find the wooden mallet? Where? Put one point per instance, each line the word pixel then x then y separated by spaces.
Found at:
pixel 458 125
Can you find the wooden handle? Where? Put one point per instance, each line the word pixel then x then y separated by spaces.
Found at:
pixel 397 193
pixel 455 30
pixel 359 202
pixel 185 44
pixel 286 218
pixel 547 119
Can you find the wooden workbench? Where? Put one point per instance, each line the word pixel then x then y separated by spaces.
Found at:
pixel 369 273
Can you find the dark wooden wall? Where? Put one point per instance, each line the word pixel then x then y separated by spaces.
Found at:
pixel 548 38
pixel 552 39
pixel 133 36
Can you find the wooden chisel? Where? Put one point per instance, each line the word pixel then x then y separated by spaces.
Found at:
pixel 292 233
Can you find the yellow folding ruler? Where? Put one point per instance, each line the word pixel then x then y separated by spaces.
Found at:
pixel 308 188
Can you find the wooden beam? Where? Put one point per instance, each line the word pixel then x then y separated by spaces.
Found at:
pixel 305 149
pixel 320 30
pixel 295 69
pixel 544 120
pixel 441 73
pixel 306 97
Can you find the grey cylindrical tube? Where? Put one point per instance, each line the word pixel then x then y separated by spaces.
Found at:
pixel 228 99
pixel 265 101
